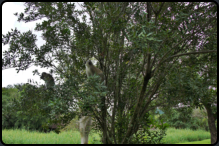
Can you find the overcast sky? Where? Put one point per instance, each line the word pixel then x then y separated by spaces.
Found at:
pixel 9 21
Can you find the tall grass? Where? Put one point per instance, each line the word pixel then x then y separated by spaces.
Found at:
pixel 207 141
pixel 184 135
pixel 73 137
pixel 27 137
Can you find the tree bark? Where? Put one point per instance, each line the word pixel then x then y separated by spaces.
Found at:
pixel 103 109
pixel 85 127
pixel 211 124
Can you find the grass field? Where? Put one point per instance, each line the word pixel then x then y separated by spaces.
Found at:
pixel 26 137
pixel 185 135
pixel 174 136
pixel 206 141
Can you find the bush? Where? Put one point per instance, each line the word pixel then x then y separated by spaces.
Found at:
pixel 187 117
pixel 8 114
pixel 147 136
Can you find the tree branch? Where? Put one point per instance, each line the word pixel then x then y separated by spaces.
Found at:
pixel 135 116
pixel 199 52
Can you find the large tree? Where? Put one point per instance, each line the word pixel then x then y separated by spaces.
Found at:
pixel 136 44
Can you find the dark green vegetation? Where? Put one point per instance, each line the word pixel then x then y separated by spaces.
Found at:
pixel 153 54
pixel 21 110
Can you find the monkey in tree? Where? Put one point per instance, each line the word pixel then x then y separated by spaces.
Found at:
pixel 49 80
pixel 50 83
pixel 91 70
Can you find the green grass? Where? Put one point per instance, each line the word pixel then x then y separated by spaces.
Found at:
pixel 184 135
pixel 174 136
pixel 206 141
pixel 26 137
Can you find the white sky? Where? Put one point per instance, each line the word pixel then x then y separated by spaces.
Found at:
pixel 9 21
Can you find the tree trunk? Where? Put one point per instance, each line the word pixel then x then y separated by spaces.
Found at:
pixel 85 127
pixel 211 124
pixel 103 109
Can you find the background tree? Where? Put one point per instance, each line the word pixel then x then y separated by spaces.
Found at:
pixel 137 46
pixel 21 111
pixel 197 86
